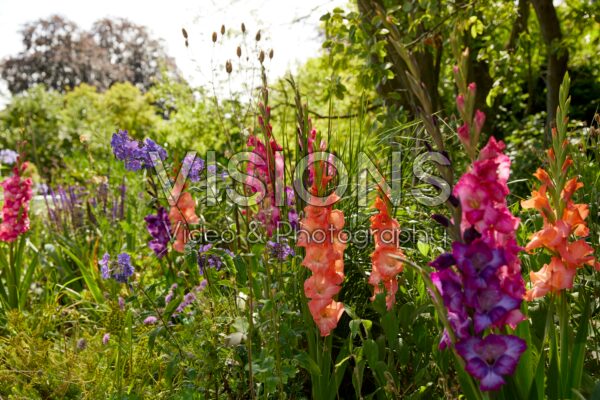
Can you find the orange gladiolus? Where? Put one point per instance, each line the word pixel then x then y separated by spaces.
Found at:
pixel 324 256
pixel 386 267
pixel 555 236
pixel 182 214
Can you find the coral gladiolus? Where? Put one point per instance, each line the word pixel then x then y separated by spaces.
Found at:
pixel 182 215
pixel 386 267
pixel 567 255
pixel 324 243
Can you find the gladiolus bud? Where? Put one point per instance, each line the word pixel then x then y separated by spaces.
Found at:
pixel 464 133
pixel 479 121
pixel 441 219
pixel 460 103
pixel 472 87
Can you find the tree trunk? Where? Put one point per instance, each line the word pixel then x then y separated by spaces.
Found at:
pixel 558 57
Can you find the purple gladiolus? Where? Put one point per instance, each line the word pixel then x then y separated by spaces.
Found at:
pixel 491 358
pixel 159 227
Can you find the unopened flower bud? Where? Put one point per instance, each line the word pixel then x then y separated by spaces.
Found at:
pixel 454 200
pixel 464 133
pixel 441 219
pixel 460 103
pixel 479 121
pixel 472 87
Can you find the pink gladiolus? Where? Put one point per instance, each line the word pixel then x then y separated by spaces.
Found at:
pixel 15 212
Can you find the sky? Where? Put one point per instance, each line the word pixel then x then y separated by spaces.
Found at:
pixel 290 27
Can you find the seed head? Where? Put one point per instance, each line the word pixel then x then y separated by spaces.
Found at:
pixel 257 36
pixel 228 66
pixel 222 29
pixel 243 28
pixel 271 54
pixel 261 56
pixel 214 37
pixel 238 51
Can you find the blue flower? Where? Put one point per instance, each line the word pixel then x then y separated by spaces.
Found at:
pixel 120 271
pixel 210 260
pixel 280 251
pixel 196 166
pixel 129 151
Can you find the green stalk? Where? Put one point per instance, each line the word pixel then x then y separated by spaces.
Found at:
pixel 563 318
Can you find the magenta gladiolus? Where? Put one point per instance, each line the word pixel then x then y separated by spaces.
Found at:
pixel 15 212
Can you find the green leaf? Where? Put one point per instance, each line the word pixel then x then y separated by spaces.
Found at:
pixel 306 362
pixel 578 352
pixel 423 248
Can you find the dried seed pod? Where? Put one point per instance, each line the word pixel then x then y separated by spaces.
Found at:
pixel 271 54
pixel 186 43
pixel 185 35
pixel 243 28
pixel 261 56
pixel 257 36
pixel 238 51
pixel 214 37
pixel 222 29
pixel 228 66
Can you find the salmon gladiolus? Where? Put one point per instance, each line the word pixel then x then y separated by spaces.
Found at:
pixel 182 214
pixel 321 236
pixel 555 236
pixel 386 265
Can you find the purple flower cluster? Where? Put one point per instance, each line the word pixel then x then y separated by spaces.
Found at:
pixel 171 293
pixel 120 270
pixel 195 165
pixel 135 156
pixel 189 298
pixel 280 250
pixel 207 260
pixel 159 227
